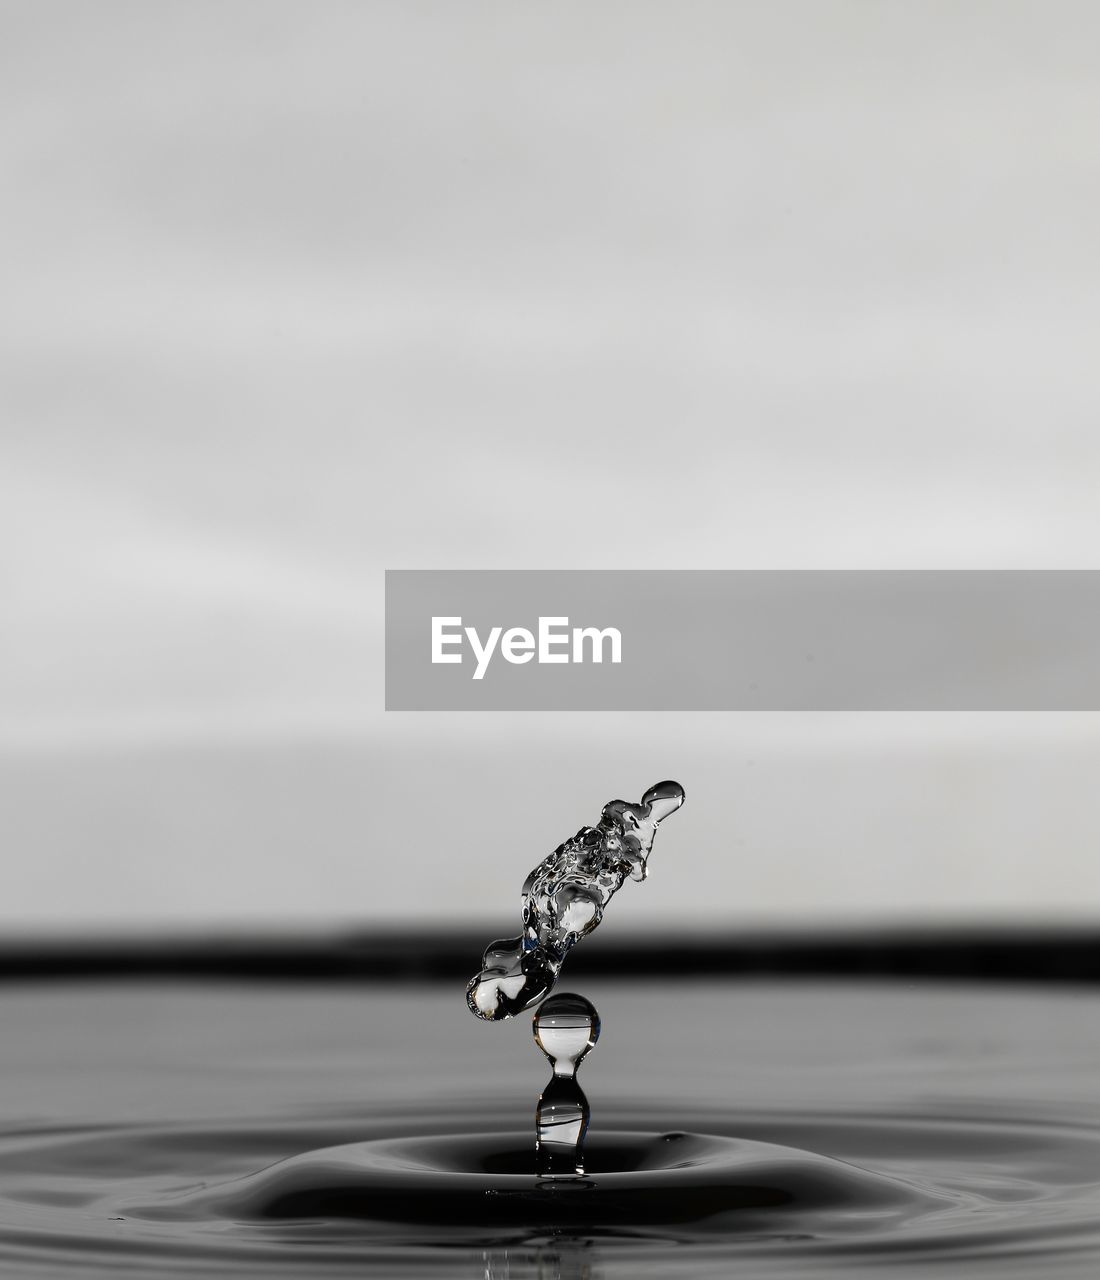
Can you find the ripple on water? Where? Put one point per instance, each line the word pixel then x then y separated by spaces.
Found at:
pixel 913 1127
pixel 796 1194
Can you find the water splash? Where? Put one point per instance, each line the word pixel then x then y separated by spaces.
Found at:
pixel 566 1028
pixel 564 899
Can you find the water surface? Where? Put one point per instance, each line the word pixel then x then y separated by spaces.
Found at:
pixel 144 1128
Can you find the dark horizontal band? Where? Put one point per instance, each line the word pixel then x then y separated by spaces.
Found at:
pixel 976 953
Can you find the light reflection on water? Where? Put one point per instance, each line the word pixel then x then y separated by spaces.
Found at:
pixel 974 1109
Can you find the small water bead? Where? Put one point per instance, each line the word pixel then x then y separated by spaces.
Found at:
pixel 564 899
pixel 566 1028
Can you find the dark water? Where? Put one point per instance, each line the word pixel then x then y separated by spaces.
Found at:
pixel 737 1130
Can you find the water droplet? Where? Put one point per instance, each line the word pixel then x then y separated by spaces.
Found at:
pixel 564 899
pixel 566 1028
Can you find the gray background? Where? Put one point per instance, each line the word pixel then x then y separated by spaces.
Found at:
pixel 294 293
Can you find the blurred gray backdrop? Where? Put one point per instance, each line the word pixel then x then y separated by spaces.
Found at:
pixel 296 292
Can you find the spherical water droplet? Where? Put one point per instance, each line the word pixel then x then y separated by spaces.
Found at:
pixel 566 1027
